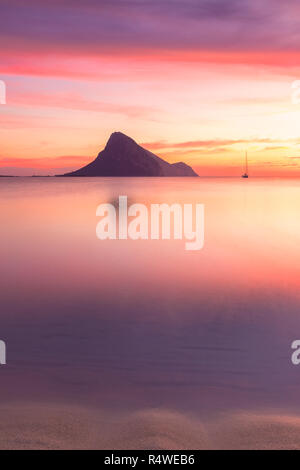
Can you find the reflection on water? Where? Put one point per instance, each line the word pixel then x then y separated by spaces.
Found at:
pixel 126 326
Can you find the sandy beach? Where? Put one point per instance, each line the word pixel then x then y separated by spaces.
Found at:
pixel 29 426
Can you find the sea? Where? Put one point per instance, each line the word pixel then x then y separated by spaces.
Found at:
pixel 142 344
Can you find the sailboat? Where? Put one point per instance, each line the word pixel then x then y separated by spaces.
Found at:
pixel 245 175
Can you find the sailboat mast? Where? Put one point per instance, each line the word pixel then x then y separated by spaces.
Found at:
pixel 246 163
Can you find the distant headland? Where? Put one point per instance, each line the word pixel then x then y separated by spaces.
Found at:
pixel 122 156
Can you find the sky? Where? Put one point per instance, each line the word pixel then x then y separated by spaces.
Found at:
pixel 199 81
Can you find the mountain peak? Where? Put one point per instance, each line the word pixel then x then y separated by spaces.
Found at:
pixel 122 156
pixel 118 139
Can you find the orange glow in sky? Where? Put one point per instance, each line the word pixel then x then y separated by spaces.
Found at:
pixel 202 105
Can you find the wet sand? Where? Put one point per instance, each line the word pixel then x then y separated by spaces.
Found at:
pixel 29 426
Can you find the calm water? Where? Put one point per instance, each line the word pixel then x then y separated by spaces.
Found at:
pixel 144 332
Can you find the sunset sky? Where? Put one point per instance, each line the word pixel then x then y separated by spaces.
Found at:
pixel 198 81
